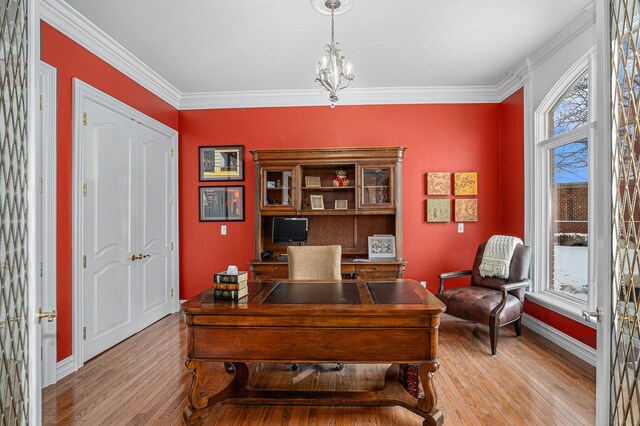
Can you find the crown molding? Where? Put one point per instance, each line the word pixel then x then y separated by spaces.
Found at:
pixel 74 25
pixel 354 96
pixel 70 22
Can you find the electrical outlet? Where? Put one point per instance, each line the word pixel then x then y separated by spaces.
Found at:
pixel 223 229
pixel 461 228
pixel 423 284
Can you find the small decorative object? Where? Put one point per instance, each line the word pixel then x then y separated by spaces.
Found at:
pixel 221 203
pixel 465 183
pixel 271 184
pixel 232 270
pixel 466 210
pixel 278 183
pixel 342 205
pixel 341 178
pixel 312 181
pixel 382 247
pixel 221 163
pixel 317 202
pixel 438 183
pixel 438 210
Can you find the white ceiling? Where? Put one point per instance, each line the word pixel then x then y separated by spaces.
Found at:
pixel 253 45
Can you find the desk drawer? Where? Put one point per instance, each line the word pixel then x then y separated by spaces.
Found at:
pixel 367 269
pixel 270 271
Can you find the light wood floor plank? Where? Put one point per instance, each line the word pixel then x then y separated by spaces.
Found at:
pixel 143 381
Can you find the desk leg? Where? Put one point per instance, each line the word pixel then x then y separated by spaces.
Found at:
pixel 428 403
pixel 197 398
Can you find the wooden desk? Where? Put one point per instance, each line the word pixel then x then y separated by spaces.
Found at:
pixel 366 322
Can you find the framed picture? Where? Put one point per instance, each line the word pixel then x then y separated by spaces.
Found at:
pixel 466 210
pixel 438 183
pixel 317 202
pixel 382 247
pixel 312 181
pixel 221 203
pixel 465 183
pixel 342 205
pixel 221 163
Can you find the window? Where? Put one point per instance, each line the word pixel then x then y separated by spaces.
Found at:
pixel 563 194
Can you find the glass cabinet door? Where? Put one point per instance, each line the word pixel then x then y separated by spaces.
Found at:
pixel 376 186
pixel 278 188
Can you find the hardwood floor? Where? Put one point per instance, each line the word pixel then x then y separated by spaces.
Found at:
pixel 143 381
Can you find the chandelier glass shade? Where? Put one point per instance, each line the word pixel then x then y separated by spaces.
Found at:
pixel 333 72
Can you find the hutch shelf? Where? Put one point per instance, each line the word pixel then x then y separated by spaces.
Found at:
pixel 369 204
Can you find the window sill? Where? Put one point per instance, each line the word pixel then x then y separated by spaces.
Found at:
pixel 568 309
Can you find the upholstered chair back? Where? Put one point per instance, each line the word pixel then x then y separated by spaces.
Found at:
pixel 518 270
pixel 314 262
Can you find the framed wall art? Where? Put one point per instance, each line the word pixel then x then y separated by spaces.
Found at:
pixel 465 183
pixel 438 183
pixel 382 247
pixel 221 203
pixel 221 163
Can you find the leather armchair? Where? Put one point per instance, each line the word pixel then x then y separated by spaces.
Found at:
pixel 491 301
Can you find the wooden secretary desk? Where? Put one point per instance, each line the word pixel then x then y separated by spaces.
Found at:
pixel 286 180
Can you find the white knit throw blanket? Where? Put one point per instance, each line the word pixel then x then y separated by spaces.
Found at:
pixel 497 256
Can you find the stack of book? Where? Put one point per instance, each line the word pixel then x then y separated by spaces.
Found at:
pixel 230 286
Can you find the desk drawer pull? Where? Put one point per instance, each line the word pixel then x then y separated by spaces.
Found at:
pixel 275 267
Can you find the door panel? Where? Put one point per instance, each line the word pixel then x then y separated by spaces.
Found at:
pixel 108 229
pixel 155 180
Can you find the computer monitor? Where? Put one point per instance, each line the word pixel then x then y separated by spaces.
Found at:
pixel 290 230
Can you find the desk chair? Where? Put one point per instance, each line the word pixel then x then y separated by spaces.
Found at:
pixel 491 301
pixel 314 263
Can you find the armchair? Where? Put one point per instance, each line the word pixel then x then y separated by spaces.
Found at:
pixel 491 301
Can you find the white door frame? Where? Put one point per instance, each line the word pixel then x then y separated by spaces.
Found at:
pixel 47 188
pixel 82 91
pixel 603 229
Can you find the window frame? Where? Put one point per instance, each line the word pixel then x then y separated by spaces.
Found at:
pixel 541 292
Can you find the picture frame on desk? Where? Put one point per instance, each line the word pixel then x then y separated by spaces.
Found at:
pixel 312 182
pixel 382 247
pixel 221 163
pixel 317 202
pixel 221 203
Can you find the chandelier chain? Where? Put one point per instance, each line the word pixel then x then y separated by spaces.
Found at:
pixel 332 31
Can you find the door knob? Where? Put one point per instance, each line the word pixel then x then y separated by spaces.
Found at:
pixel 134 257
pixel 48 315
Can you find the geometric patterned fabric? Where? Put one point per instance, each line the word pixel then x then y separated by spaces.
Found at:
pixel 14 378
pixel 625 341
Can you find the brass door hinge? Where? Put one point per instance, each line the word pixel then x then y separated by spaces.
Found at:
pixel 41 185
pixel 84 189
pixel 41 102
pixel 171 293
pixel 171 245
pixel 84 118
pixel 84 261
pixel 41 268
pixel 171 150
pixel 171 199
pixel 84 333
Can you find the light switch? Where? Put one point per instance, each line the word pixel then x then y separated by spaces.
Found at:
pixel 223 229
pixel 461 228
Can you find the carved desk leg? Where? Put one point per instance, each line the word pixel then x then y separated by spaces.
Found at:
pixel 430 399
pixel 197 398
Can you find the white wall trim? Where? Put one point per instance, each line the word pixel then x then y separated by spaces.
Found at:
pixel 577 348
pixel 47 79
pixel 65 367
pixel 74 25
pixel 82 91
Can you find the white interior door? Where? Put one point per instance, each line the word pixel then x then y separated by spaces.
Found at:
pixel 155 181
pixel 108 228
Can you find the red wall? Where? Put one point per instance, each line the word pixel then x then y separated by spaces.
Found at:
pixel 437 137
pixel 512 165
pixel 71 60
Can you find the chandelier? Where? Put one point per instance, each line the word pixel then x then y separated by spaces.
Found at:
pixel 333 71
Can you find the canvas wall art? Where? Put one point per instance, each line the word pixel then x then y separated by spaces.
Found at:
pixel 438 210
pixel 438 183
pixel 466 210
pixel 465 183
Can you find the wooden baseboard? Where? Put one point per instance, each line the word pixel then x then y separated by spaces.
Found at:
pixel 581 365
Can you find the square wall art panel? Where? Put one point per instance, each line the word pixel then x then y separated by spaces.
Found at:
pixel 465 183
pixel 438 210
pixel 438 183
pixel 466 210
